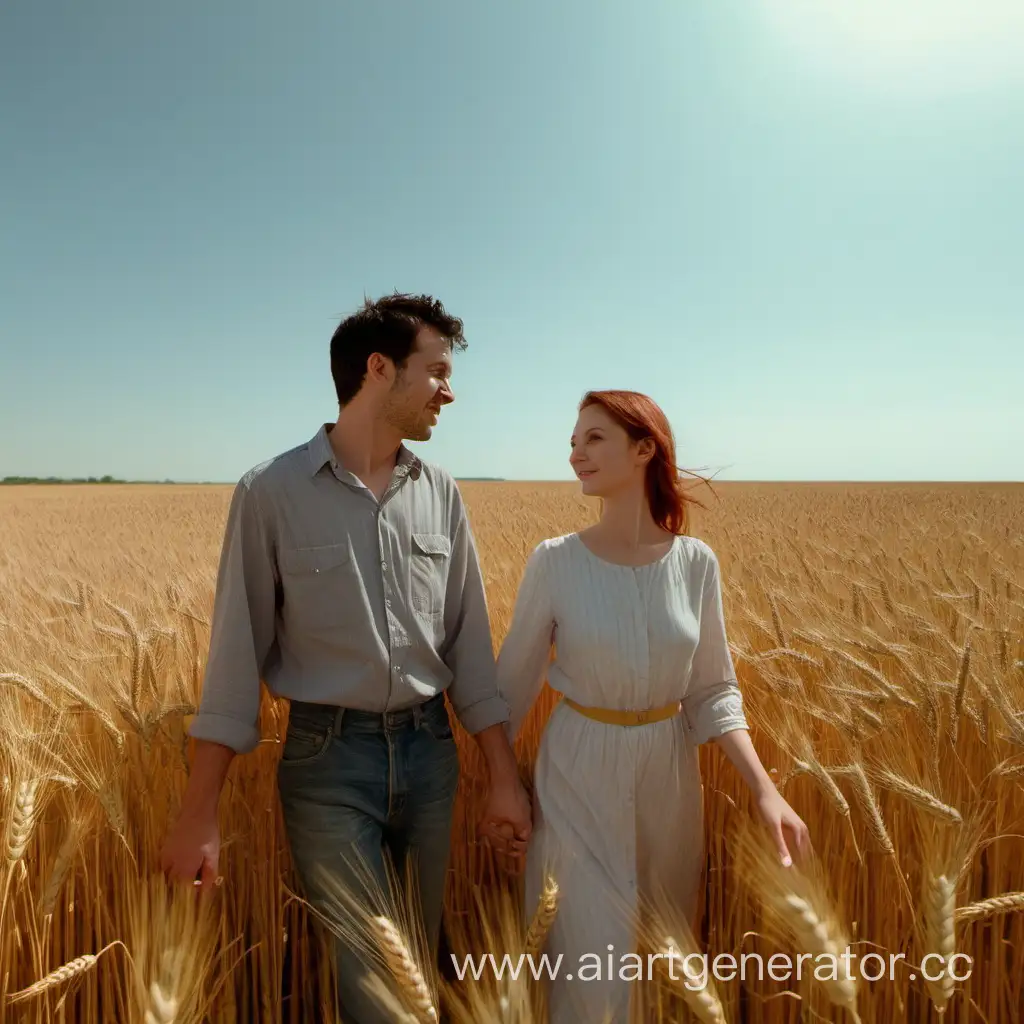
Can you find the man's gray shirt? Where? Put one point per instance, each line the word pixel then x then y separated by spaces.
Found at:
pixel 329 597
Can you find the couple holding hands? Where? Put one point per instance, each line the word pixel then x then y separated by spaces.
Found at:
pixel 349 583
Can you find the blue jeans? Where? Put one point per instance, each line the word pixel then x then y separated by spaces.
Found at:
pixel 357 788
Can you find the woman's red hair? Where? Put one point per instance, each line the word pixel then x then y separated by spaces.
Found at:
pixel 641 418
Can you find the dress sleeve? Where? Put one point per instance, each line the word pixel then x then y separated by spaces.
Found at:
pixel 526 649
pixel 713 703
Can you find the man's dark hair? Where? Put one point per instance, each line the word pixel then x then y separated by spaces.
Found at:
pixel 388 325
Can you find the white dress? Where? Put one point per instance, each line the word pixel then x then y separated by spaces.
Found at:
pixel 617 809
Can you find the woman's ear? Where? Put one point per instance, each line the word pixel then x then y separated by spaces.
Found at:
pixel 645 449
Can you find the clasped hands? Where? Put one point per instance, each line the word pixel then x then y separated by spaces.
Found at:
pixel 506 822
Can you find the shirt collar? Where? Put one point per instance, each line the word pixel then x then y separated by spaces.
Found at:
pixel 321 453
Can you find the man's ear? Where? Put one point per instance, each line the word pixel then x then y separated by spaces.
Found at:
pixel 380 368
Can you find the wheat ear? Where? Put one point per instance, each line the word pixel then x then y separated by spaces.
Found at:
pixel 780 633
pixel 813 933
pixel 61 866
pixel 401 964
pixel 1005 904
pixel 940 937
pixel 961 685
pixel 543 919
pixel 72 969
pixel 163 1007
pixel 873 674
pixel 876 824
pixel 31 688
pixel 704 1004
pixel 917 795
pixel 22 821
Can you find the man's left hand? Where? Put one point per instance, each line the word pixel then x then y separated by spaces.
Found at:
pixel 507 822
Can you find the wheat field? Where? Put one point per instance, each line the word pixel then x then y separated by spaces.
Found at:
pixel 878 635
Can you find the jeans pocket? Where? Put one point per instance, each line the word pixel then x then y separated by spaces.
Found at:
pixel 438 724
pixel 305 743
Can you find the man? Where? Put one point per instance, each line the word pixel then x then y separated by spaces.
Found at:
pixel 349 583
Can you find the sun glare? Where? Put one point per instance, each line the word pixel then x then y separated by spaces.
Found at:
pixel 933 44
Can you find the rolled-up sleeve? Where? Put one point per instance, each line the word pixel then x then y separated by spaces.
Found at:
pixel 713 703
pixel 242 629
pixel 526 650
pixel 468 648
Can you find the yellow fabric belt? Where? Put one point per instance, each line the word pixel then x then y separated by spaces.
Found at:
pixel 612 716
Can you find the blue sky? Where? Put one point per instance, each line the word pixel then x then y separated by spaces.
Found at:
pixel 798 226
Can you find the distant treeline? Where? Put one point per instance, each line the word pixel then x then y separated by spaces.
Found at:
pixel 116 480
pixel 75 480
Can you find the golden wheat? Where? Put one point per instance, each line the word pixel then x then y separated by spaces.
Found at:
pixel 939 899
pixel 543 918
pixel 702 1000
pixel 56 978
pixel 405 970
pixel 878 633
pixel 1006 904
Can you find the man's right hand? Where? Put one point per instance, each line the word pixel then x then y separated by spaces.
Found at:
pixel 191 851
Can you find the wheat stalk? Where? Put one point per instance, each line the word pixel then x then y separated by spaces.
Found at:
pixel 86 700
pixel 808 764
pixel 798 907
pixel 163 1005
pixel 1015 728
pixel 872 673
pixel 787 652
pixel 961 685
pixel 30 687
pixel 780 633
pixel 858 603
pixel 62 975
pixel 1004 650
pixel 61 865
pixel 138 646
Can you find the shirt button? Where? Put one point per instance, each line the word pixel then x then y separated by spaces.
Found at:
pixel 383 565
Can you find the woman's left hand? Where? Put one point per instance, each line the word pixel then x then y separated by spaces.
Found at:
pixel 780 818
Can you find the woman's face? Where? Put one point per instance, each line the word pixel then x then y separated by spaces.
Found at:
pixel 603 456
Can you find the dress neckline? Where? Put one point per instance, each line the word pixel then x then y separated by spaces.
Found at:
pixel 625 565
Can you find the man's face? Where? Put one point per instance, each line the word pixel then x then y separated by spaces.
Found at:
pixel 421 388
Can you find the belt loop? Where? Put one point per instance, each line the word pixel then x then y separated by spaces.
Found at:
pixel 417 716
pixel 338 716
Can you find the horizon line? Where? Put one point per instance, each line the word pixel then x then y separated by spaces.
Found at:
pixel 18 480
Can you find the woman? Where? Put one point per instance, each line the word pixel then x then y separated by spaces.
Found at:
pixel 633 607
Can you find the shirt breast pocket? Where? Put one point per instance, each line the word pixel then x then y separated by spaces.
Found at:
pixel 431 555
pixel 319 586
